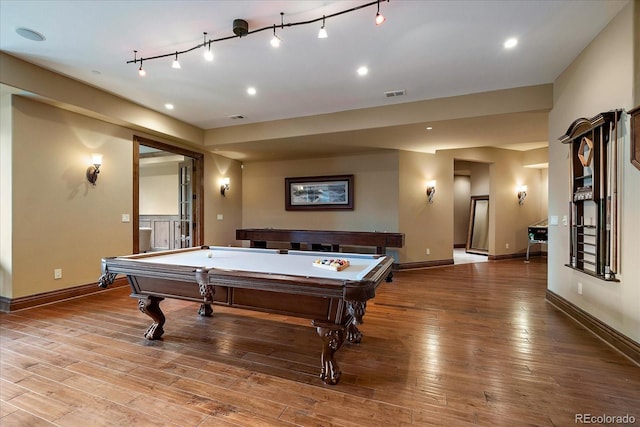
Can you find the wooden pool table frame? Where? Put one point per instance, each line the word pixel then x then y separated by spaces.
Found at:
pixel 334 306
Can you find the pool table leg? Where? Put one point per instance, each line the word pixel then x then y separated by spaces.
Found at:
pixel 205 310
pixel 353 333
pixel 332 338
pixel 207 291
pixel 150 306
pixel 357 310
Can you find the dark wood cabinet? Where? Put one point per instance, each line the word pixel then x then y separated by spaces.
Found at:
pixel 594 201
pixel 322 239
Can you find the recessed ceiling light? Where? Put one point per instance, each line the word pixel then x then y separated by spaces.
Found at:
pixel 429 127
pixel 511 43
pixel 168 106
pixel 30 34
pixel 363 71
pixel 251 90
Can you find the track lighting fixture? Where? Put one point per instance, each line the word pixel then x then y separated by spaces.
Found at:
pixel 241 29
pixel 379 17
pixel 176 63
pixel 322 34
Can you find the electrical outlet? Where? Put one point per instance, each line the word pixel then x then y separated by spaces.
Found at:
pixel 220 217
pixel 57 273
pixel 579 288
pixel 125 218
pixel 506 246
pixel 428 251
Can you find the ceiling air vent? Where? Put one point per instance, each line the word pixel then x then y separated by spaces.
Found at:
pixel 393 93
pixel 236 116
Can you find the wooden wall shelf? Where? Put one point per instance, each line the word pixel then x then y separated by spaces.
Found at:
pixel 593 246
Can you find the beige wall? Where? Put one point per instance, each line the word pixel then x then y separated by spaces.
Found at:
pixel 375 193
pixel 159 189
pixel 217 231
pixel 461 208
pixel 57 219
pixel 480 178
pixel 636 53
pixel 6 183
pixel 390 195
pixel 426 226
pixel 600 79
pixel 508 221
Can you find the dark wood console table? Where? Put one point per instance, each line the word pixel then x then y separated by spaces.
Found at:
pixel 320 238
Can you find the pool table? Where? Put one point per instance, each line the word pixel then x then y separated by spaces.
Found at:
pixel 271 280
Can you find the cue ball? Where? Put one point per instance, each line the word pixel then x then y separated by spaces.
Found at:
pixel 209 254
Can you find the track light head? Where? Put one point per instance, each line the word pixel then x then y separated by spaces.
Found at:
pixel 176 63
pixel 208 54
pixel 322 34
pixel 141 72
pixel 379 17
pixel 275 41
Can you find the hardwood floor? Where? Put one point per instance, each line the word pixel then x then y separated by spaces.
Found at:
pixel 470 344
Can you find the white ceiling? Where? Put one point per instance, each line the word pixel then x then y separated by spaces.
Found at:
pixel 431 49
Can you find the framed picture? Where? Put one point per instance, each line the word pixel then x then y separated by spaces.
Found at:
pixel 319 193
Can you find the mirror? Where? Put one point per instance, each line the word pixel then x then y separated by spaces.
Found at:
pixel 478 235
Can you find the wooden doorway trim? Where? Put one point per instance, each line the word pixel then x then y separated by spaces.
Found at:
pixel 198 187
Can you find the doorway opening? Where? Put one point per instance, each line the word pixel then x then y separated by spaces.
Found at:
pixel 471 211
pixel 167 196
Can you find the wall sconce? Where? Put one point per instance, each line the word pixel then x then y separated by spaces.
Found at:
pixel 94 169
pixel 522 194
pixel 431 191
pixel 224 185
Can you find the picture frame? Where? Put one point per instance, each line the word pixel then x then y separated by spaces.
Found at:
pixel 316 193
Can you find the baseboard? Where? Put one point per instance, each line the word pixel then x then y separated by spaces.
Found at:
pixel 516 255
pixel 615 339
pixel 8 305
pixel 425 264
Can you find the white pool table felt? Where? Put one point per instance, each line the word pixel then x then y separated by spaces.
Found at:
pixel 296 263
